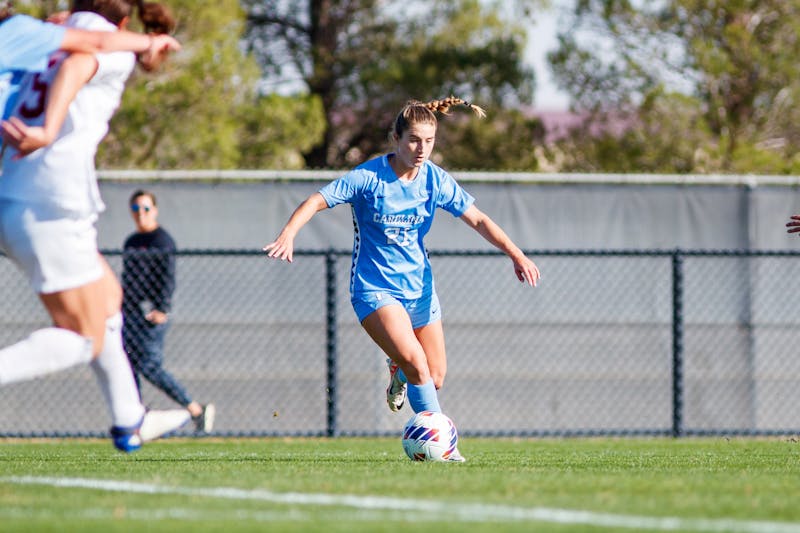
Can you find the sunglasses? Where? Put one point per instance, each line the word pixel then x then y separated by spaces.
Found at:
pixel 136 208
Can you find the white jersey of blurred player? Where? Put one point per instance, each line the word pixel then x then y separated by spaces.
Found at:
pixel 70 193
pixel 49 202
pixel 73 189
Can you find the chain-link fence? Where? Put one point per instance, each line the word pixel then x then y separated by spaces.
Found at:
pixel 634 342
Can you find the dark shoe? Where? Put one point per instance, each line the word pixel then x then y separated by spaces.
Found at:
pixel 204 422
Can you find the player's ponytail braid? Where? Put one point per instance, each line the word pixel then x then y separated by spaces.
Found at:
pixel 443 106
pixel 416 112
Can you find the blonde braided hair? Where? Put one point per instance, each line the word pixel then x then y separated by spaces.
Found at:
pixel 416 112
pixel 443 106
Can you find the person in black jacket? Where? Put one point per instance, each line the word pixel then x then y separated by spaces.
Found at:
pixel 148 281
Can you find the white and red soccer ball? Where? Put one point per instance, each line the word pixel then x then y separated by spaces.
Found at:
pixel 430 436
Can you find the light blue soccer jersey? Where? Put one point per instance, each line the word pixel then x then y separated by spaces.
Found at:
pixel 25 45
pixel 391 219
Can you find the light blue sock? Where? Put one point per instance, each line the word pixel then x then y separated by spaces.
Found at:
pixel 424 397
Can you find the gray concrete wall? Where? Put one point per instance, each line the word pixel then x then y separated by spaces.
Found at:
pixel 227 214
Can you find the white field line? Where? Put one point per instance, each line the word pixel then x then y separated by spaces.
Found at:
pixel 465 512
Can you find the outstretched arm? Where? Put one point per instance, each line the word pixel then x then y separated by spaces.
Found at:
pixel 117 41
pixel 524 268
pixel 74 72
pixel 283 247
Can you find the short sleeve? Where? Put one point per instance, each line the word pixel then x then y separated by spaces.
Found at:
pixel 452 197
pixel 27 43
pixel 344 189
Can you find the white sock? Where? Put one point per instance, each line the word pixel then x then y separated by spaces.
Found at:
pixel 45 351
pixel 115 377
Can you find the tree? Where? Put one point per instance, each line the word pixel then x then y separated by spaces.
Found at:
pixel 504 143
pixel 667 135
pixel 276 130
pixel 199 110
pixel 736 59
pixel 183 115
pixel 354 63
pixel 365 58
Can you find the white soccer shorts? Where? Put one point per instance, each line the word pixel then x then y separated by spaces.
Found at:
pixel 56 253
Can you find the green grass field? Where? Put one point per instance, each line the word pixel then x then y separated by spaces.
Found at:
pixel 347 484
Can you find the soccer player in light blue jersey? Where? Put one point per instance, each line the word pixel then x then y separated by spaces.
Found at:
pixel 393 198
pixel 26 44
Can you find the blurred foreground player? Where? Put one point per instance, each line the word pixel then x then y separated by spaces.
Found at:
pixel 49 203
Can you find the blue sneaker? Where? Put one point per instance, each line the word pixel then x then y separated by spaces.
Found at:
pixel 154 424
pixel 126 439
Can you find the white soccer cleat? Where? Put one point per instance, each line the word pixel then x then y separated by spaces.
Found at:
pixel 396 391
pixel 158 423
pixel 456 457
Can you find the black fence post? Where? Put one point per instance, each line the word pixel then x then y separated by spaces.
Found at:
pixel 677 343
pixel 330 311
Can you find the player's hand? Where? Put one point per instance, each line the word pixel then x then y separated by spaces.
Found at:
pixel 526 271
pixel 281 248
pixel 59 17
pixel 25 139
pixel 793 224
pixel 156 317
pixel 160 46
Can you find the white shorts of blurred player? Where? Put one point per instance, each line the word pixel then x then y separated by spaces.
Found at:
pixel 56 253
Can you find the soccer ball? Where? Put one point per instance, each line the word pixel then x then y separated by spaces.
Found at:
pixel 429 436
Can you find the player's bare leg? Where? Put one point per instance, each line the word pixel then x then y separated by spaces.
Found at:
pixel 431 337
pixel 390 328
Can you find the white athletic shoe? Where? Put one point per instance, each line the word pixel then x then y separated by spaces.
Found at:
pixel 154 424
pixel 396 391
pixel 456 457
pixel 158 423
